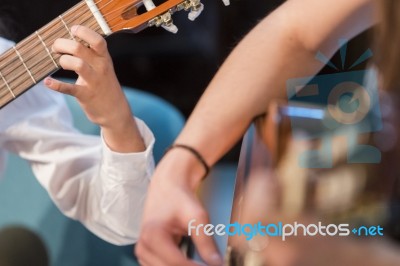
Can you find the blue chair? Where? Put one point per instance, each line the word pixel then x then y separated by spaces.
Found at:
pixel 24 202
pixel 160 116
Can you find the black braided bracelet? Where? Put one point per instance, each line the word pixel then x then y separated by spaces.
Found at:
pixel 194 152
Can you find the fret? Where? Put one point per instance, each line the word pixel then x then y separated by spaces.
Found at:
pixel 31 60
pixel 23 63
pixel 14 73
pixel 7 85
pixel 6 98
pixel 28 62
pixel 66 26
pixel 99 18
pixel 47 49
pixel 36 57
pixel 89 19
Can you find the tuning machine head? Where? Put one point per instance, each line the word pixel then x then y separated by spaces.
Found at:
pixel 165 20
pixel 195 7
pixel 162 20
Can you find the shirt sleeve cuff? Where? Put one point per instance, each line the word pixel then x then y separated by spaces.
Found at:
pixel 140 163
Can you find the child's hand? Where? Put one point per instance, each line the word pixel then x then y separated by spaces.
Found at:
pixel 97 88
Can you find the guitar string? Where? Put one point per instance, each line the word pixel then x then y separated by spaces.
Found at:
pixel 43 70
pixel 75 9
pixel 116 17
pixel 45 37
pixel 93 23
pixel 54 29
pixel 40 71
pixel 46 28
pixel 116 10
pixel 38 44
pixel 122 22
pixel 77 15
pixel 37 41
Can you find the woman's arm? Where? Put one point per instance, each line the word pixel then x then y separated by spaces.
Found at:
pixel 280 47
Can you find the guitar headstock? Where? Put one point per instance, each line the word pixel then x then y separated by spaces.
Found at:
pixel 136 15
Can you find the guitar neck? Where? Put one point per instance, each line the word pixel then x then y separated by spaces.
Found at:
pixel 31 60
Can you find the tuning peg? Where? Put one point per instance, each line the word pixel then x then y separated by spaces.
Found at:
pixel 171 28
pixel 194 6
pixel 164 20
pixel 195 11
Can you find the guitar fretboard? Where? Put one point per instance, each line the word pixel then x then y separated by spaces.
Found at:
pixel 31 60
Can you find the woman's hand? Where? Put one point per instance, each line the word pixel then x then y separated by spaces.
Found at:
pixel 171 204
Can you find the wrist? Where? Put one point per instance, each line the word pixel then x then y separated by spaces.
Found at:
pixel 116 119
pixel 123 137
pixel 194 152
pixel 185 168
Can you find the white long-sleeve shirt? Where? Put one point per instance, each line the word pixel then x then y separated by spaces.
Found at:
pixel 105 190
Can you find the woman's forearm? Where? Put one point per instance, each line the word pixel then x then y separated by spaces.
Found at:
pixel 281 47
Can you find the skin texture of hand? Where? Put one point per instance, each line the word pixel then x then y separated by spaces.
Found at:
pixel 97 88
pixel 171 204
